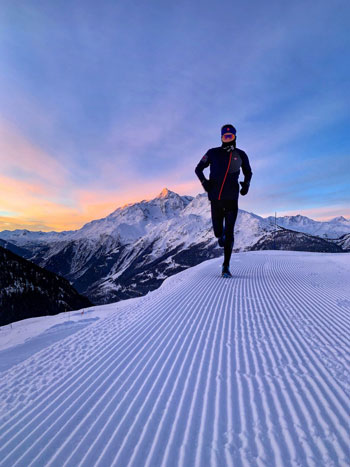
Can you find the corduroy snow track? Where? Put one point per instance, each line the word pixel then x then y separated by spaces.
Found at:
pixel 205 371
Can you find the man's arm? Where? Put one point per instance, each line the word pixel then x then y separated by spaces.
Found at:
pixel 247 172
pixel 202 164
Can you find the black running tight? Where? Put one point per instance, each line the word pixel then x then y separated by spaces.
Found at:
pixel 224 210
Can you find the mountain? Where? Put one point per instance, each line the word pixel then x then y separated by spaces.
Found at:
pixel 329 229
pixel 132 250
pixel 285 239
pixel 23 252
pixel 26 290
pixel 204 371
pixel 344 242
pixel 21 237
pixel 341 219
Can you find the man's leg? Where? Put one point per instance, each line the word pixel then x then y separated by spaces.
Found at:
pixel 231 210
pixel 217 217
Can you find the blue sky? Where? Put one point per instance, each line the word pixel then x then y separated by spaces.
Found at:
pixel 104 103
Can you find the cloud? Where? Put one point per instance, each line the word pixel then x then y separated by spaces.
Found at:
pixel 9 223
pixel 29 206
pixel 19 155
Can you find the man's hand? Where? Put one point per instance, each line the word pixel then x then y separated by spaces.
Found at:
pixel 245 188
pixel 206 185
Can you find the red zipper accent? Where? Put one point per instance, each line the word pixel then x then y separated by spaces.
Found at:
pixel 229 163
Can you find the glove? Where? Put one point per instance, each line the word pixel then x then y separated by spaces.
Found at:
pixel 206 185
pixel 245 188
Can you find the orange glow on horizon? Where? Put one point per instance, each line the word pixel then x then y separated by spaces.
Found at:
pixel 48 216
pixel 39 213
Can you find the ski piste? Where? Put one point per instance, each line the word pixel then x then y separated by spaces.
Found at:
pixel 200 372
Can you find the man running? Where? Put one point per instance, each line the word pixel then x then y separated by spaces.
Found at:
pixel 223 188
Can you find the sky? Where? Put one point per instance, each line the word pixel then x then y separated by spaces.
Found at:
pixel 106 103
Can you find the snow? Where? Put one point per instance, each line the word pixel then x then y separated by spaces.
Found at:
pixel 334 228
pixel 132 221
pixel 21 331
pixel 204 371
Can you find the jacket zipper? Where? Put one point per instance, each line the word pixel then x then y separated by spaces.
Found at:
pixel 229 163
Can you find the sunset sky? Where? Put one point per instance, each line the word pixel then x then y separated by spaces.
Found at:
pixel 106 103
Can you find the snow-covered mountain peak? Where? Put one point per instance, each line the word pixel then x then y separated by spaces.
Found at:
pixel 200 206
pixel 133 220
pixel 340 219
pixel 299 219
pixel 166 193
pixel 327 229
pixel 168 202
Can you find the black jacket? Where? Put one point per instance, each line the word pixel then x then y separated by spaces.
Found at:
pixel 225 164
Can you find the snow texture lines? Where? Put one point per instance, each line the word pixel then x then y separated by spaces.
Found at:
pixel 251 371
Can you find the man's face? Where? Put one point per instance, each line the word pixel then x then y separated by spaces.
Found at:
pixel 227 137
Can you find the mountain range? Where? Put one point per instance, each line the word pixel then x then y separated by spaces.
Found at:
pixel 132 250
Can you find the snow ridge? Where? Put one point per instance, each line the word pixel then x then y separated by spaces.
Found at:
pixel 202 371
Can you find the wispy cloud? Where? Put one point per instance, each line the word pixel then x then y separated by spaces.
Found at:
pixel 18 154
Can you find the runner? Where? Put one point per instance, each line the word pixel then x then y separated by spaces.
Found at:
pixel 223 189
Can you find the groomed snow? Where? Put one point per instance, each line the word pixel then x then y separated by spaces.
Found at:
pixel 204 371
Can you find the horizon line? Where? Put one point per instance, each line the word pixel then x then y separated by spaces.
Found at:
pixel 161 194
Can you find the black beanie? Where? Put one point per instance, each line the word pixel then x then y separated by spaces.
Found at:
pixel 228 129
